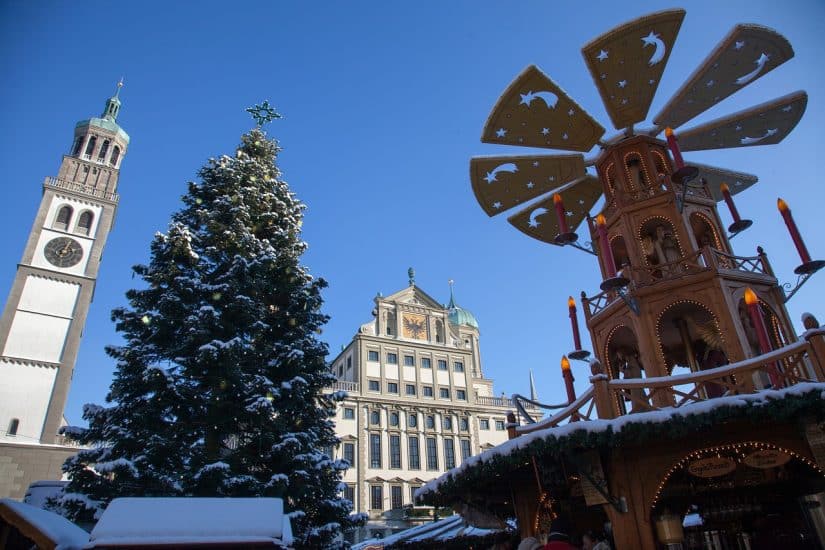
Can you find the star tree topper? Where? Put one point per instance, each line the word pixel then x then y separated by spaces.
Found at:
pixel 263 113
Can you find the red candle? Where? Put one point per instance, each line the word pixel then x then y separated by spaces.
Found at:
pixel 567 374
pixel 752 301
pixel 792 229
pixel 674 148
pixel 604 245
pixel 574 322
pixel 559 204
pixel 729 201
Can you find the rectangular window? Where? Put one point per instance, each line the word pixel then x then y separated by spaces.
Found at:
pixel 375 418
pixel 349 413
pixel 395 497
pixel 464 424
pixel 465 449
pixel 392 358
pixel 483 424
pixel 426 363
pixel 392 387
pixel 395 451
pixel 349 453
pixel 410 389
pixel 449 453
pixel 372 355
pixel 500 425
pixel 349 494
pixel 409 361
pixel 447 422
pixel 376 497
pixel 428 391
pixel 461 395
pixel 442 364
pixel 412 420
pixel 444 393
pixel 349 362
pixel 374 385
pixel 340 370
pixel 415 457
pixel 413 489
pixel 432 454
pixel 458 366
pixel 375 450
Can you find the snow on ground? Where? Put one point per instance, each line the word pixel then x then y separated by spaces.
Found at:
pixel 63 533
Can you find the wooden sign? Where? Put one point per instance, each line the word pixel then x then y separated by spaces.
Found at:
pixel 714 466
pixel 592 475
pixel 815 433
pixel 766 458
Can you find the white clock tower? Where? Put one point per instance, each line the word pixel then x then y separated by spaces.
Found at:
pixel 44 316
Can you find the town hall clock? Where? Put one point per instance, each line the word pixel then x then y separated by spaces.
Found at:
pixel 63 252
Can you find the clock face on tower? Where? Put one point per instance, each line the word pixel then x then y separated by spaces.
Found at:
pixel 63 252
pixel 414 326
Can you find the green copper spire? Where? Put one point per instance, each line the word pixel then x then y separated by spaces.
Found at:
pixel 451 305
pixel 113 104
pixel 457 314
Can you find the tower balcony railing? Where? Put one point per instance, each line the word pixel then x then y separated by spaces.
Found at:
pixel 796 363
pixel 80 188
pixel 702 260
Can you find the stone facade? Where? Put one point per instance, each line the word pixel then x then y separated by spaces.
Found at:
pixel 418 405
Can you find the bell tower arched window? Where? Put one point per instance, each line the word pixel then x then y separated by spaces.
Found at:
pixel 78 143
pixel 115 156
pixel 84 223
pixel 103 150
pixel 64 216
pixel 90 147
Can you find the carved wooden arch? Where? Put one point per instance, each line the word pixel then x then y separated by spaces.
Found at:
pixel 742 447
pixel 660 164
pixel 699 305
pixel 616 242
pixel 612 370
pixel 645 173
pixel 777 333
pixel 647 223
pixel 708 222
pixel 609 176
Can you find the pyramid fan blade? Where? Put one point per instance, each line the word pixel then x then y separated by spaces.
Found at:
pixel 764 124
pixel 715 177
pixel 627 64
pixel 539 219
pixel 535 112
pixel 501 183
pixel 746 54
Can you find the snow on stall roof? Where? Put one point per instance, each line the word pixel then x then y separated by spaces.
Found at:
pixel 443 529
pixel 157 521
pixel 63 533
pixel 760 398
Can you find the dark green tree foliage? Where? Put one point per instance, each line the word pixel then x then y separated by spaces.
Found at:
pixel 218 387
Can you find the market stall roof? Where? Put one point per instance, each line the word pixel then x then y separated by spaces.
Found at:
pixel 47 530
pixel 192 522
pixel 444 529
pixel 553 442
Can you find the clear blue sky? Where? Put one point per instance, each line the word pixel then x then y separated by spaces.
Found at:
pixel 384 104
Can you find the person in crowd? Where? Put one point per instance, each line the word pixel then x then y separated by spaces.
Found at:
pixel 594 541
pixel 559 537
pixel 530 543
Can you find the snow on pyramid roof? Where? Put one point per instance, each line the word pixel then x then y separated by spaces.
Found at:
pixel 47 529
pixel 192 522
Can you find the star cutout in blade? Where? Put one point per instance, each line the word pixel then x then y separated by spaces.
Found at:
pixel 602 55
pixel 738 45
pixel 501 132
pixel 622 83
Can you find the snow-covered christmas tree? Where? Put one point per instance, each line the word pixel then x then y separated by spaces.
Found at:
pixel 218 387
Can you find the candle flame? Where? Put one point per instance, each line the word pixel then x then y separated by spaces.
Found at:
pixel 600 219
pixel 750 297
pixel 782 205
pixel 724 188
pixel 668 131
pixel 565 363
pixel 556 199
pixel 571 302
